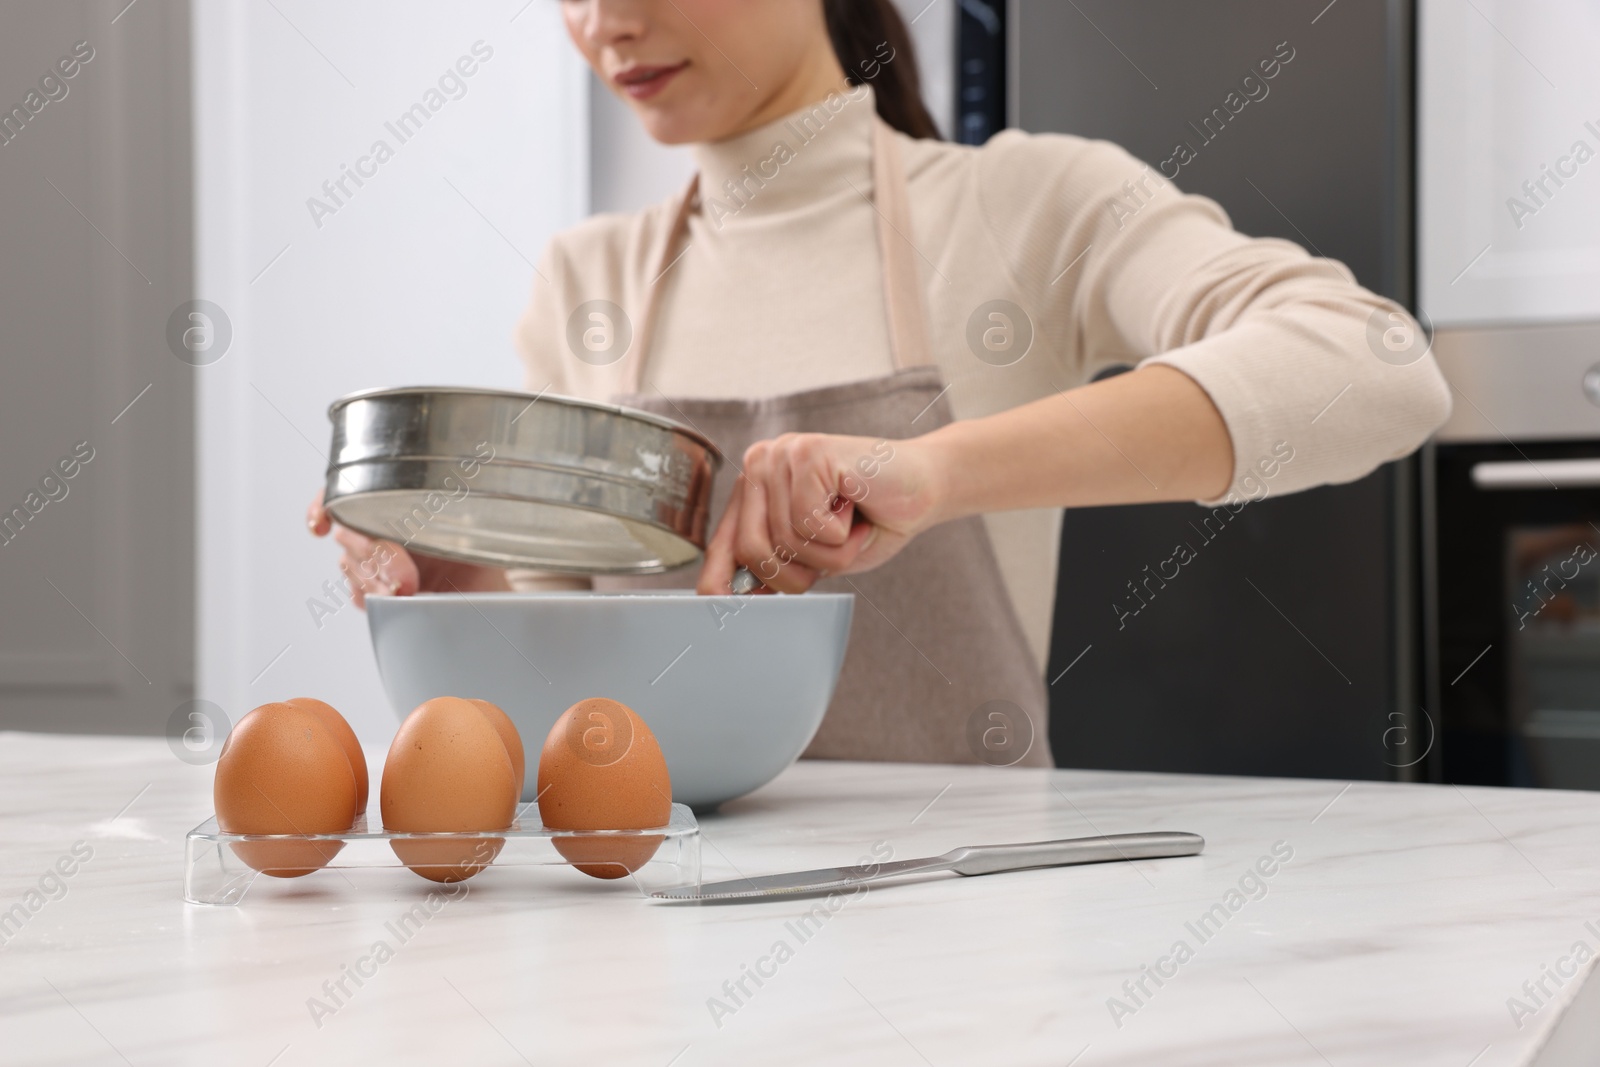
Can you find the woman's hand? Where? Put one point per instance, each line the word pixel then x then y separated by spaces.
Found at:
pixel 811 505
pixel 815 504
pixel 384 568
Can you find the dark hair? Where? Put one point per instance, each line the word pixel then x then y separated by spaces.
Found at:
pixel 874 47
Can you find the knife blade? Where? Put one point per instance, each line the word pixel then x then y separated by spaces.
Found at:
pixel 969 861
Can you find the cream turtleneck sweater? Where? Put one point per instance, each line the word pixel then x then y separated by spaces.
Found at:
pixel 779 289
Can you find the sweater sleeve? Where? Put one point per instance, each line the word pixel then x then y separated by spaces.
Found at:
pixel 1298 358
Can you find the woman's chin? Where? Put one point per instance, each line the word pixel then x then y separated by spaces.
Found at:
pixel 673 125
pixel 675 117
pixel 668 133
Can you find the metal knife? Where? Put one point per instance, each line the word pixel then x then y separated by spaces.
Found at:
pixel 972 860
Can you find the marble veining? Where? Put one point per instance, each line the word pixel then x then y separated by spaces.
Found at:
pixel 1400 924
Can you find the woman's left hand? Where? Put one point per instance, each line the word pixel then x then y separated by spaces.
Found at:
pixel 810 505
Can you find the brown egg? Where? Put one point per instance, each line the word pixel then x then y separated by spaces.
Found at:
pixel 282 771
pixel 347 737
pixel 508 734
pixel 447 770
pixel 601 769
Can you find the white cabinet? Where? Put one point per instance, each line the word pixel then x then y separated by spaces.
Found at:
pixel 1509 161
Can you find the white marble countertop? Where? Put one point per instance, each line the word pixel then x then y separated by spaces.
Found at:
pixel 1397 932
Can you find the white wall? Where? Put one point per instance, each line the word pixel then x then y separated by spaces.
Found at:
pixel 418 277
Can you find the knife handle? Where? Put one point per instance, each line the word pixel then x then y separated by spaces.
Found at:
pixel 744 582
pixel 992 859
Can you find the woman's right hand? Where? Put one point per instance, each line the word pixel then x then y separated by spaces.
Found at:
pixel 384 568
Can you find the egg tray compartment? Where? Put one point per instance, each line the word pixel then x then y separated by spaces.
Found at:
pixel 213 873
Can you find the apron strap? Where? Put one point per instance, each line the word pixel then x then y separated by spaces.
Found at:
pixel 905 314
pixel 677 233
pixel 902 289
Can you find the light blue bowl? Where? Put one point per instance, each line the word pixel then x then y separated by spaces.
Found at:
pixel 733 688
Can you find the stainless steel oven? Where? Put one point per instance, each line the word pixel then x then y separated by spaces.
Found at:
pixel 1518 613
pixel 1514 568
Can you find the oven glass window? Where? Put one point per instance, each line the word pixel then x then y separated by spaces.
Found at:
pixel 1553 597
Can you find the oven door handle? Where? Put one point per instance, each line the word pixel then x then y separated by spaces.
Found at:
pixel 1545 474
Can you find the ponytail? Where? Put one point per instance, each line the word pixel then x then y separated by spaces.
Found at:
pixel 874 47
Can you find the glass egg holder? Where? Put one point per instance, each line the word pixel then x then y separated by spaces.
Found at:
pixel 215 873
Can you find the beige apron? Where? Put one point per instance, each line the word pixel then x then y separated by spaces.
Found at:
pixel 938 669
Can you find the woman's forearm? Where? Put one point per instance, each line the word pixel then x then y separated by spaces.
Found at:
pixel 1149 435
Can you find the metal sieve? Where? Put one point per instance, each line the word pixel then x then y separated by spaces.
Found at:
pixel 517 480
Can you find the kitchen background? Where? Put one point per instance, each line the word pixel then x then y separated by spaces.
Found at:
pixel 1438 619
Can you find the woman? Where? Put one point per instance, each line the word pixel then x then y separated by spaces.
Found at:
pixel 890 336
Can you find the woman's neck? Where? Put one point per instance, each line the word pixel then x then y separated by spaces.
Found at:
pixel 793 163
pixel 811 84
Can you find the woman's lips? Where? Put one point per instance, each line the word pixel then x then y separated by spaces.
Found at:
pixel 642 82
